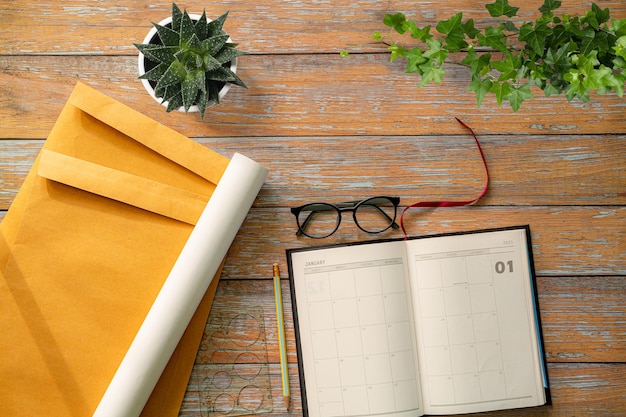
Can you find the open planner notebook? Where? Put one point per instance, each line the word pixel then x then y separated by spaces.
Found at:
pixel 432 325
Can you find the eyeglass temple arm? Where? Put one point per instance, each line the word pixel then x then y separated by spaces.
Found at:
pixel 393 223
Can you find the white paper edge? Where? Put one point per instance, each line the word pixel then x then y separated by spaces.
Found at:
pixel 183 289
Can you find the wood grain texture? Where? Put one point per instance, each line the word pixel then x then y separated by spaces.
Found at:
pixel 566 240
pixel 524 170
pixel 336 129
pixel 261 27
pixel 298 95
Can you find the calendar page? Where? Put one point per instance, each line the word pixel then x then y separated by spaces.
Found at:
pixel 475 320
pixel 431 325
pixel 356 338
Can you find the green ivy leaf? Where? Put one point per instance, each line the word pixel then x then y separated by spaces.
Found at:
pixel 618 27
pixel 559 54
pixel 431 73
pixel 415 58
pixel 436 52
pixel 535 36
pixel 605 81
pixel 481 87
pixel 469 29
pixel 620 47
pixel 455 37
pixel 576 87
pixel 501 8
pixel 397 51
pixel 422 34
pixel 551 89
pixel 518 95
pixel 559 59
pixel 396 21
pixel 493 38
pixel 510 26
pixel 476 62
pixel 501 90
pixel 549 6
pixel 508 68
pixel 558 37
pixel 596 16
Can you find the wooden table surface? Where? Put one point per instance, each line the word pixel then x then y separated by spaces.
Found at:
pixel 337 129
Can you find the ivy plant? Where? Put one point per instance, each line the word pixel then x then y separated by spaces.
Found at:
pixel 569 55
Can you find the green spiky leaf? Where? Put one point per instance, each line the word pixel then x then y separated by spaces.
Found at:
pixel 155 73
pixel 215 26
pixel 177 17
pixel 190 64
pixel 158 53
pixel 227 54
pixel 202 27
pixel 214 44
pixel 175 74
pixel 168 36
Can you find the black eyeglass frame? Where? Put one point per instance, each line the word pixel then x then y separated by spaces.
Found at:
pixel 352 206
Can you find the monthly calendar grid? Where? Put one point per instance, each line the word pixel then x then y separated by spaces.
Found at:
pixel 361 337
pixel 459 319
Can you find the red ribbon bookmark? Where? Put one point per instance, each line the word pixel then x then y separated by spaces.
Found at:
pixel 452 203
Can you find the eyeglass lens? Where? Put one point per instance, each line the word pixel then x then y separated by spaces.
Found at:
pixel 375 215
pixel 320 220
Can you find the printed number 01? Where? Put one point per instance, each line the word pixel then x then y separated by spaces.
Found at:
pixel 501 266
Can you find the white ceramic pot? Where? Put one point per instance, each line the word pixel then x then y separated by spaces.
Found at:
pixel 142 69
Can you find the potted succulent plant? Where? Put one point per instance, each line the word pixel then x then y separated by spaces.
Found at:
pixel 187 61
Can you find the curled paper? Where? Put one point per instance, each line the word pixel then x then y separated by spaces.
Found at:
pixel 183 289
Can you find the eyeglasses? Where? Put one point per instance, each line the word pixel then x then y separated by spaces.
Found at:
pixel 373 215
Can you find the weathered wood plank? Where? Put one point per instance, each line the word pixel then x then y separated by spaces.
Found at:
pixel 264 27
pixel 297 95
pixel 583 318
pixel 566 240
pixel 524 170
pixel 578 388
